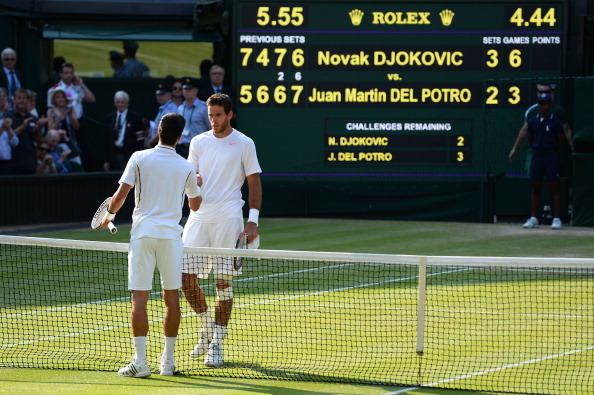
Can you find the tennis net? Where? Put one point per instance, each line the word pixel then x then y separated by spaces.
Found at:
pixel 489 324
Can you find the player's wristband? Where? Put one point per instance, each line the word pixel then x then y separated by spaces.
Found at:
pixel 109 216
pixel 254 214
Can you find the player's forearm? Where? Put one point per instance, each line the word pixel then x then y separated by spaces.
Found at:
pixel 118 198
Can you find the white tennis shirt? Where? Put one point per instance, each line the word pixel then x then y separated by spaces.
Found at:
pixel 160 178
pixel 223 163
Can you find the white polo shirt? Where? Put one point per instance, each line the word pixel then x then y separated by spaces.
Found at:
pixel 223 164
pixel 160 178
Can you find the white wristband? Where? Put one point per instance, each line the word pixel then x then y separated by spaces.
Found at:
pixel 254 214
pixel 109 216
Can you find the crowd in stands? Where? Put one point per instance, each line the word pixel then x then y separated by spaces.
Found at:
pixel 46 141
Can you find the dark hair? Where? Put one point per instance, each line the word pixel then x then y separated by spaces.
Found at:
pixel 220 99
pixel 171 127
pixel 66 64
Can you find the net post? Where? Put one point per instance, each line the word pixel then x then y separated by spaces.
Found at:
pixel 421 302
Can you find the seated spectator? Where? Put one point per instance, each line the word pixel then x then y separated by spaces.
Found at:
pixel 62 116
pixel 4 104
pixel 45 162
pixel 62 149
pixel 125 134
pixel 8 140
pixel 32 103
pixel 10 78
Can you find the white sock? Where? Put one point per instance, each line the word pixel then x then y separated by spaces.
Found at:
pixel 169 347
pixel 206 321
pixel 220 333
pixel 140 349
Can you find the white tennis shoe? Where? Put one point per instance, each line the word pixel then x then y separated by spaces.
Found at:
pixel 202 346
pixel 214 359
pixel 134 370
pixel 531 223
pixel 556 224
pixel 167 367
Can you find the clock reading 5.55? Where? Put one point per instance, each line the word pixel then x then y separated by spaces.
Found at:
pixel 286 16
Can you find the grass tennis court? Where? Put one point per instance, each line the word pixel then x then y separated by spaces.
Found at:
pixel 406 237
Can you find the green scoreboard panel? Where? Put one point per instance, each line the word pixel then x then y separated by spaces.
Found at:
pixel 372 88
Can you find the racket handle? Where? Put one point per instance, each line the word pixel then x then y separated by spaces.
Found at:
pixel 112 228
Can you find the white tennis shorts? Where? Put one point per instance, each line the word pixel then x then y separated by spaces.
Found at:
pixel 221 234
pixel 146 253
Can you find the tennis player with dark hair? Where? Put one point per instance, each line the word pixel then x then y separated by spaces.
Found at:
pixel 161 178
pixel 223 158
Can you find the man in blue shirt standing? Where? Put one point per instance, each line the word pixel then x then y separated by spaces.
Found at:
pixel 545 134
pixel 194 112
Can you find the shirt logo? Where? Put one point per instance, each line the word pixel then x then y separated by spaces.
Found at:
pixel 232 143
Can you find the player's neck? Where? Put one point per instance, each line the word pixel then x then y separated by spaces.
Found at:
pixel 223 133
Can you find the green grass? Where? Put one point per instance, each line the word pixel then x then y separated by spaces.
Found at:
pixel 260 323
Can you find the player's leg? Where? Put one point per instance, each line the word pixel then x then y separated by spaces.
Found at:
pixel 169 262
pixel 141 266
pixel 225 233
pixel 196 235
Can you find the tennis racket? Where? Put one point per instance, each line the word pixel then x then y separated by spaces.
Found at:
pixel 100 214
pixel 241 244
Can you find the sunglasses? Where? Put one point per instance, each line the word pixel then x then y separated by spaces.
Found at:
pixel 9 59
pixel 177 88
pixel 43 149
pixel 544 91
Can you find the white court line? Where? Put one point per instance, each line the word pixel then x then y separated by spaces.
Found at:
pixel 190 314
pixel 513 365
pixel 402 391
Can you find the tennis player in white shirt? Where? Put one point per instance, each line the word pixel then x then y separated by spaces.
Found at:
pixel 161 179
pixel 223 158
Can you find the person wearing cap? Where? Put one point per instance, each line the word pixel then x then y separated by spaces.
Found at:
pixel 166 106
pixel 133 67
pixel 194 112
pixel 546 136
pixel 117 63
pixel 532 111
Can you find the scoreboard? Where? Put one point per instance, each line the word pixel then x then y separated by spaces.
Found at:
pixel 351 87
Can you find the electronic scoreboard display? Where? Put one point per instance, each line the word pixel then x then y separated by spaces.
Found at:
pixel 351 87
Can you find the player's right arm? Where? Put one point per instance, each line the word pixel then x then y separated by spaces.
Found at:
pixel 521 136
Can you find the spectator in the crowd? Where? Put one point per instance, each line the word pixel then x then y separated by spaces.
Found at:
pixel 166 106
pixel 125 134
pixel 133 67
pixel 10 79
pixel 177 95
pixel 8 140
pixel 194 112
pixel 32 103
pixel 4 104
pixel 116 60
pixel 74 87
pixel 62 115
pixel 27 128
pixel 59 149
pixel 216 77
pixel 45 162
